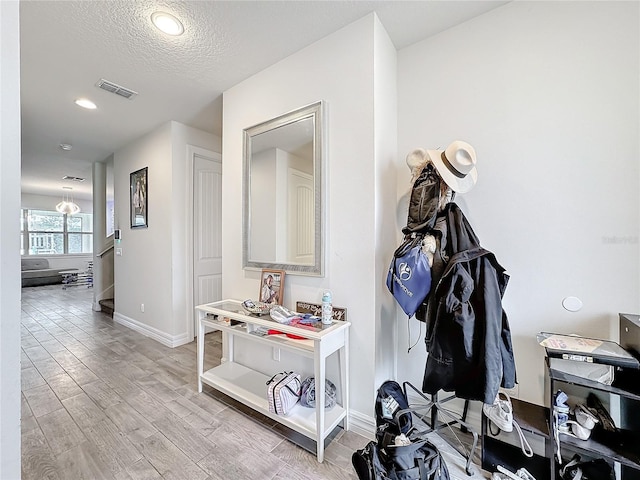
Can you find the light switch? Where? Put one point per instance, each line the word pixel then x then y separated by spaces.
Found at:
pixel 118 252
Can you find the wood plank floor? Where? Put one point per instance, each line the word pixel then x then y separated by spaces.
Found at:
pixel 101 401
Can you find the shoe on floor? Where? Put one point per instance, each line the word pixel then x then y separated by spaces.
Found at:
pixel 500 413
pixel 524 474
pixel 506 474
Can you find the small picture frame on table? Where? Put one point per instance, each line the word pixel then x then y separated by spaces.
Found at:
pixel 271 286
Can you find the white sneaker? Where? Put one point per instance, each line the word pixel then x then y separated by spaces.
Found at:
pixel 524 474
pixel 500 413
pixel 585 417
pixel 521 474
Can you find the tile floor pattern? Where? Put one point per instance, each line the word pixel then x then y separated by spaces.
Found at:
pixel 101 401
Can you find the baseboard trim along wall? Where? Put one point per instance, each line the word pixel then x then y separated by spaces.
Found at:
pixel 362 424
pixel 158 335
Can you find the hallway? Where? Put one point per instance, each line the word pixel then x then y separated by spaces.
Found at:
pixel 101 401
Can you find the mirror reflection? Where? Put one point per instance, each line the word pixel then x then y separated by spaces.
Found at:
pixel 282 204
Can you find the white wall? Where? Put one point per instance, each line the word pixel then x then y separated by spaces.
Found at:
pixel 339 70
pixel 548 94
pixel 143 274
pixel 385 173
pixel 153 267
pixel 9 241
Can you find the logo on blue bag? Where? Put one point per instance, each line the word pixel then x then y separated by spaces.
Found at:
pixel 404 272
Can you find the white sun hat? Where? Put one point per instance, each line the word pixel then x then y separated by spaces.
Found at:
pixel 456 165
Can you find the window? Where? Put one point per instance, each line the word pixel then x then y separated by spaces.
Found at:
pixel 44 232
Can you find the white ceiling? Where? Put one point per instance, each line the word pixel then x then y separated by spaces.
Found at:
pixel 68 46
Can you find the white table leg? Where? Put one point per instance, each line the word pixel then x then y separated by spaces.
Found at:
pixel 319 367
pixel 343 368
pixel 200 351
pixel 230 347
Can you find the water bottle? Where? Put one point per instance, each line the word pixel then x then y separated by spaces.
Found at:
pixel 327 309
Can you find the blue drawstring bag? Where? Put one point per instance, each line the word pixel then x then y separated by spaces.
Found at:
pixel 409 276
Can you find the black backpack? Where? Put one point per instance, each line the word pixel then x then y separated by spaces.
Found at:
pixel 392 417
pixel 423 202
pixel 419 461
pixel 383 460
pixel 368 464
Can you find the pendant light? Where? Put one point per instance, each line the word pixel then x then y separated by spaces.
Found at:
pixel 67 205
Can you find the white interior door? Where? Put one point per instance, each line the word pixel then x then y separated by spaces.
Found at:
pixel 300 211
pixel 207 231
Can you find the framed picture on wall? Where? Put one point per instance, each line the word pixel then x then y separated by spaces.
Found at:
pixel 272 286
pixel 139 198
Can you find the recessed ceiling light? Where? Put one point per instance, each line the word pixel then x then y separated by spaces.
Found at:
pixel 85 103
pixel 66 146
pixel 167 23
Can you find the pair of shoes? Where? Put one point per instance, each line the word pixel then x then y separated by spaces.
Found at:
pixel 572 471
pixel 585 417
pixel 577 423
pixel 524 474
pixel 584 422
pixel 605 419
pixel 500 412
pixel 521 474
pixel 598 469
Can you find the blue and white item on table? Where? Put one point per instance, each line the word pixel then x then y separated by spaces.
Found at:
pixel 327 309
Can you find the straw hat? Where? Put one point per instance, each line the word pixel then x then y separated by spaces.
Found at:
pixel 456 165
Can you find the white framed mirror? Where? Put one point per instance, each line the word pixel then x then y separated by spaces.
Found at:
pixel 283 193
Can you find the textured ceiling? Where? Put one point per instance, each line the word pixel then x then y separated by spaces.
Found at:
pixel 67 46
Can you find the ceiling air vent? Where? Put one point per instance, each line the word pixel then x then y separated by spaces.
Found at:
pixel 73 179
pixel 115 88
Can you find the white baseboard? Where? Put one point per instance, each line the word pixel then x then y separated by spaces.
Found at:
pixel 148 331
pixel 362 424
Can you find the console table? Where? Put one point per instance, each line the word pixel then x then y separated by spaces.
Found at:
pixel 248 385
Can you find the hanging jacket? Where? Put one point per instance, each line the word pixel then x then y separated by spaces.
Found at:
pixel 468 336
